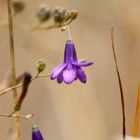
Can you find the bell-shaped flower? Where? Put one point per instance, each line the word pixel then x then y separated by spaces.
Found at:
pixel 71 69
pixel 36 134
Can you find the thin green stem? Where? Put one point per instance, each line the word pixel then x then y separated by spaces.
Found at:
pixel 43 76
pixel 20 85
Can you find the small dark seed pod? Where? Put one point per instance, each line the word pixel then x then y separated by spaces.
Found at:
pixel 58 15
pixel 74 14
pixel 67 15
pixel 43 13
pixel 18 6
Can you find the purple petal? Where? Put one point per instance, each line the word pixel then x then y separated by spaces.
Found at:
pixel 57 70
pixel 69 75
pixel 36 135
pixel 60 78
pixel 83 64
pixel 70 52
pixel 81 75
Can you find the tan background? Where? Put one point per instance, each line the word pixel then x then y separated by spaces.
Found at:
pixel 77 111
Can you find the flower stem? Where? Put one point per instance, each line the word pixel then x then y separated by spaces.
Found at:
pixel 20 85
pixel 136 123
pixel 20 116
pixel 120 86
pixel 13 70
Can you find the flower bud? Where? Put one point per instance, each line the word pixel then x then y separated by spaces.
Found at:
pixel 40 65
pixel 18 6
pixel 43 13
pixel 58 15
pixel 74 14
pixel 36 134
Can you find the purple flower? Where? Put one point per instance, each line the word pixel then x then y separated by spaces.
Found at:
pixel 71 69
pixel 36 134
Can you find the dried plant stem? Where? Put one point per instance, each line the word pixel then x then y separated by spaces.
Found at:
pixel 120 86
pixel 136 123
pixel 13 70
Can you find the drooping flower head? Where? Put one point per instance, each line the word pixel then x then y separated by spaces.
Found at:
pixel 36 134
pixel 71 69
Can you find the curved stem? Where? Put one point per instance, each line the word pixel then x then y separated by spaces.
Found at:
pixel 20 85
pixel 20 116
pixel 69 33
pixel 35 26
pixel 120 85
pixel 42 76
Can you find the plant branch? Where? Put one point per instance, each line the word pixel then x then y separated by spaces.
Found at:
pixel 20 85
pixel 12 58
pixel 120 85
pixel 27 117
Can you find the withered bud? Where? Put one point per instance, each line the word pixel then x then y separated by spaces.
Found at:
pixel 18 6
pixel 26 82
pixel 67 15
pixel 73 14
pixel 58 15
pixel 40 65
pixel 43 13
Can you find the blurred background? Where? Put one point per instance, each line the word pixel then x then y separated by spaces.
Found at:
pixel 77 111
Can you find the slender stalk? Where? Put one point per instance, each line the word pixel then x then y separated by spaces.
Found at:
pixel 27 117
pixel 120 86
pixel 13 70
pixel 136 123
pixel 20 85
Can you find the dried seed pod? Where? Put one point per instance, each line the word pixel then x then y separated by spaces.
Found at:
pixel 58 15
pixel 18 6
pixel 43 13
pixel 67 15
pixel 74 14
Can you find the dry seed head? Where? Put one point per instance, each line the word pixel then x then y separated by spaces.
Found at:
pixel 18 6
pixel 43 13
pixel 58 15
pixel 74 14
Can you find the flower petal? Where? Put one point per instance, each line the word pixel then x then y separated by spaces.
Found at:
pixel 83 64
pixel 36 135
pixel 70 52
pixel 57 70
pixel 81 75
pixel 69 75
pixel 60 78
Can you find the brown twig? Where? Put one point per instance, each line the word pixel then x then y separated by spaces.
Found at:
pixel 120 85
pixel 12 58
